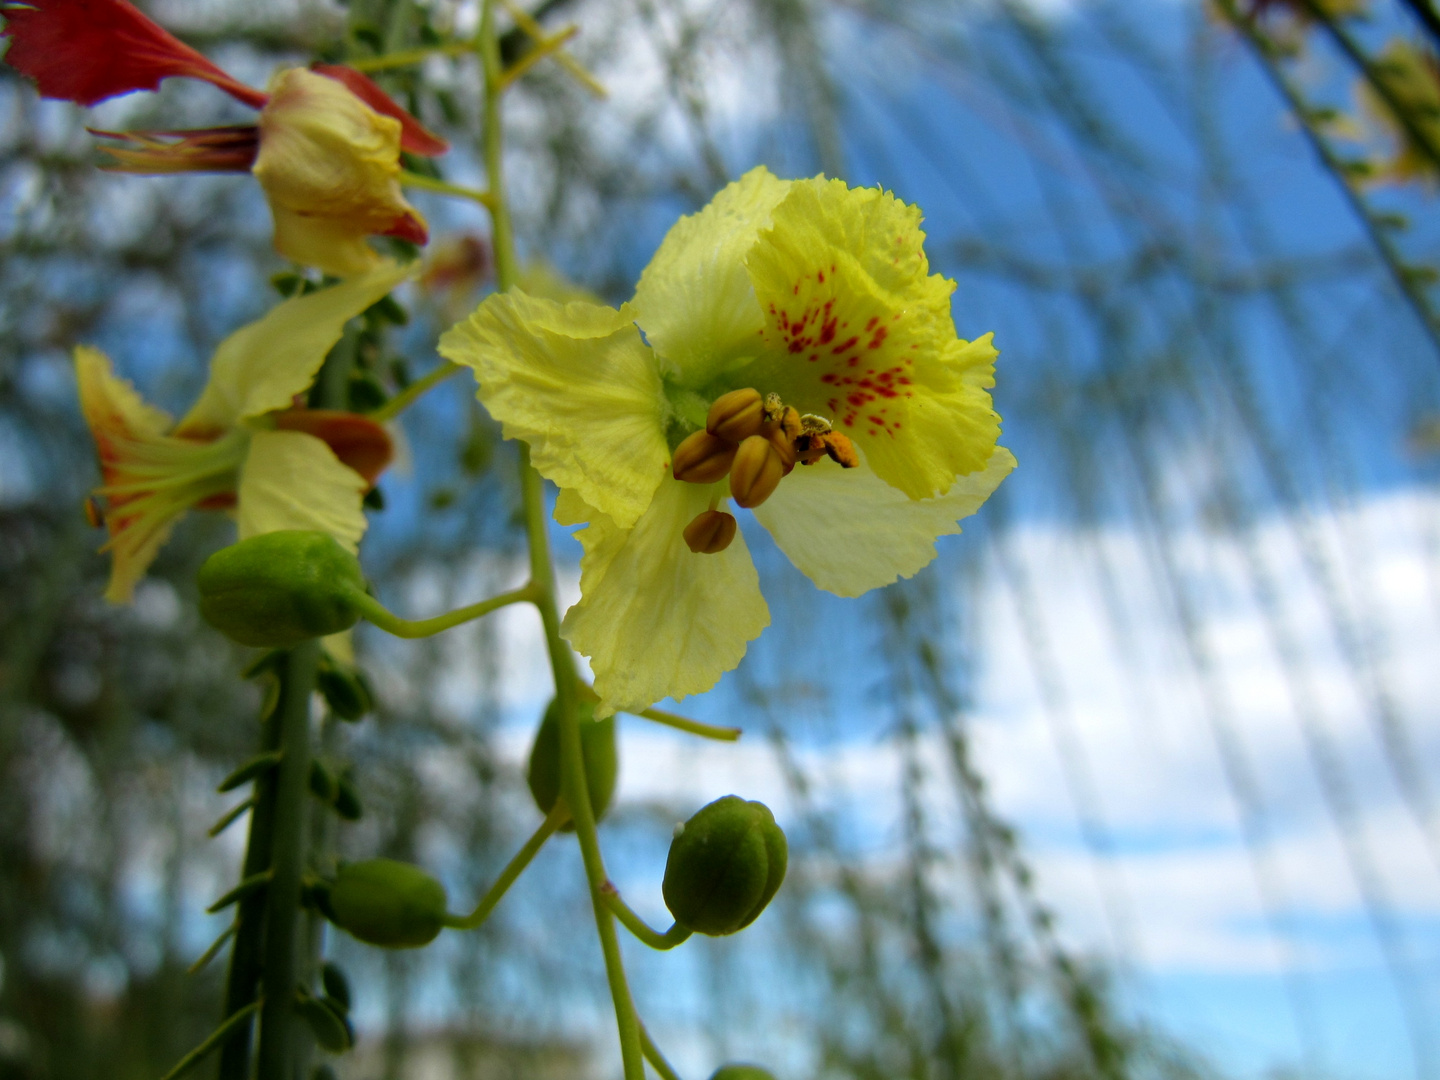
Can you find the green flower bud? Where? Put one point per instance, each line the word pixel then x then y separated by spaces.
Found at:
pixel 387 903
pixel 726 863
pixel 597 750
pixel 281 588
pixel 742 1072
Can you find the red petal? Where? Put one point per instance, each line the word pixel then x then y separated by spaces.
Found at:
pixel 414 137
pixel 357 440
pixel 88 50
pixel 409 227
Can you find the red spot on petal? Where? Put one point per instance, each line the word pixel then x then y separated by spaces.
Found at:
pixel 845 345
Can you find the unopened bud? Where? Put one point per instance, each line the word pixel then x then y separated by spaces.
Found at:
pixel 597 751
pixel 281 588
pixel 710 533
pixel 756 472
pixel 391 904
pixel 742 1072
pixel 724 866
pixel 702 458
pixel 737 415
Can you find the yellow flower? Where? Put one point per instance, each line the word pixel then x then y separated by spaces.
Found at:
pixel 330 167
pixel 810 297
pixel 242 444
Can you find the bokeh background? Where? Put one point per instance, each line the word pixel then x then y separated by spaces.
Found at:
pixel 1136 780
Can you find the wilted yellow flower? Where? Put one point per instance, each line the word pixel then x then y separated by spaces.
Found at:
pixel 243 444
pixel 816 299
pixel 330 167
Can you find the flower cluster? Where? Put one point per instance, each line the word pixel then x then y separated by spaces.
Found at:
pixel 788 323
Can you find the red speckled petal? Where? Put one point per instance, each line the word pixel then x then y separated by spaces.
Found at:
pixel 89 50
pixel 414 137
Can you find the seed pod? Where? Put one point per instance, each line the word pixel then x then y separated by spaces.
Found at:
pixel 756 471
pixel 384 902
pixel 597 751
pixel 726 863
pixel 737 415
pixel 702 458
pixel 742 1072
pixel 710 533
pixel 281 588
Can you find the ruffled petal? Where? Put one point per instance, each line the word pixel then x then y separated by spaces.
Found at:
pixel 330 167
pixel 858 330
pixel 849 532
pixel 415 138
pixel 294 481
pixel 89 50
pixel 694 301
pixel 578 384
pixel 262 366
pixel 655 619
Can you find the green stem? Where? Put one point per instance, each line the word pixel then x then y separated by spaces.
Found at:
pixel 429 183
pixel 407 397
pixel 542 578
pixel 232 1024
pixel 277 1050
pixel 373 610
pixel 694 727
pixel 676 935
pixel 657 1059
pixel 1376 78
pixel 410 56
pixel 557 817
pixel 242 981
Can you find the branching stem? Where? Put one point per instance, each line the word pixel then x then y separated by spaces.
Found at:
pixel 373 610
pixel 558 815
pixel 676 935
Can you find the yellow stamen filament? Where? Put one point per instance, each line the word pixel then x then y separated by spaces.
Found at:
pixel 710 533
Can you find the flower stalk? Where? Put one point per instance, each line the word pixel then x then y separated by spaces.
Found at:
pixel 542 578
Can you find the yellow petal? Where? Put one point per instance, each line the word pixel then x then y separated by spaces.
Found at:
pixel 330 167
pixel 849 532
pixel 150 479
pixel 294 481
pixel 655 619
pixel 261 367
pixel 694 301
pixel 577 383
pixel 858 330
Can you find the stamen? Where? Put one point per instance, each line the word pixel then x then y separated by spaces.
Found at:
pixel 757 471
pixel 710 533
pixel 737 415
pixel 702 458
